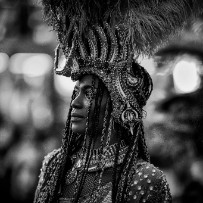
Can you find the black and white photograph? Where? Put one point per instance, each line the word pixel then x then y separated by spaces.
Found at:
pixel 101 101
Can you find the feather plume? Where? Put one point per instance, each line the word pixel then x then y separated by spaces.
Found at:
pixel 149 23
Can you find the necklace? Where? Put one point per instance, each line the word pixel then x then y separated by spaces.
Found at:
pixel 96 163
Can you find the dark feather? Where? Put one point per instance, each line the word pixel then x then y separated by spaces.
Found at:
pixel 149 22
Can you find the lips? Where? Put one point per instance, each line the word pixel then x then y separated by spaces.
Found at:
pixel 76 117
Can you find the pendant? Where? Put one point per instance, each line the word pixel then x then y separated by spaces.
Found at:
pixel 71 176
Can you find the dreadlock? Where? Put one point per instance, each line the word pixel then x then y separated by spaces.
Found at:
pixel 136 149
pixel 142 146
pixel 98 177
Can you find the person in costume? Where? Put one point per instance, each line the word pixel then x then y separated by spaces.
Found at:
pixel 103 156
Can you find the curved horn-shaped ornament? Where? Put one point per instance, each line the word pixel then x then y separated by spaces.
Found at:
pixel 66 69
pixel 103 42
pixel 125 52
pixel 93 45
pixel 114 44
pixel 124 44
pixel 65 38
pixel 81 46
pixel 119 89
pixel 82 49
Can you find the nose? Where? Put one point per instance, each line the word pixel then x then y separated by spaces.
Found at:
pixel 77 102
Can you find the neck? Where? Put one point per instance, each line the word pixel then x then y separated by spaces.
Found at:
pixel 97 139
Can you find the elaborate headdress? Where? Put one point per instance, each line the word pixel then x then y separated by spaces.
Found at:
pixel 104 38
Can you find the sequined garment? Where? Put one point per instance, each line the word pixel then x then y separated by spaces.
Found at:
pixel 147 185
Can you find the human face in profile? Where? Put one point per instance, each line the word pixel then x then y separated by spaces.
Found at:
pixel 84 97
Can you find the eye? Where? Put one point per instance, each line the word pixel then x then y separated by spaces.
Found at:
pixel 89 93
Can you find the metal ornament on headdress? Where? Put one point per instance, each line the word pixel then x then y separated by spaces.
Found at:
pixel 129 116
pixel 101 37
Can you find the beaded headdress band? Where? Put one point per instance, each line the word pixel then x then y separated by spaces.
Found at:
pixel 101 37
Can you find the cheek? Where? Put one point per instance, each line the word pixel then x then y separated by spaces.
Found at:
pixel 79 127
pixel 87 104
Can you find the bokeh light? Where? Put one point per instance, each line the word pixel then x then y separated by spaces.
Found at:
pixel 63 85
pixel 4 58
pixel 32 65
pixel 148 64
pixel 186 77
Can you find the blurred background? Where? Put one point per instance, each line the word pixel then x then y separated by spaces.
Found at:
pixel 34 104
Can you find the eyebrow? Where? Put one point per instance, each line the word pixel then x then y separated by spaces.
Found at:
pixel 83 86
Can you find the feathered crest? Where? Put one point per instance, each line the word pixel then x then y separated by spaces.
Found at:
pixel 148 23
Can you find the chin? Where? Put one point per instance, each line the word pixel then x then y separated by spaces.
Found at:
pixel 76 128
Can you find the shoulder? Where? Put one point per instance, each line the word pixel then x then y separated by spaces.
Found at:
pixel 48 159
pixel 148 184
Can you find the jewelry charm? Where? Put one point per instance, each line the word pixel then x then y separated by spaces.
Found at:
pixel 71 176
pixel 129 117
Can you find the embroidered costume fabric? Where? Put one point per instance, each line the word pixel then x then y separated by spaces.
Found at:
pixel 148 184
